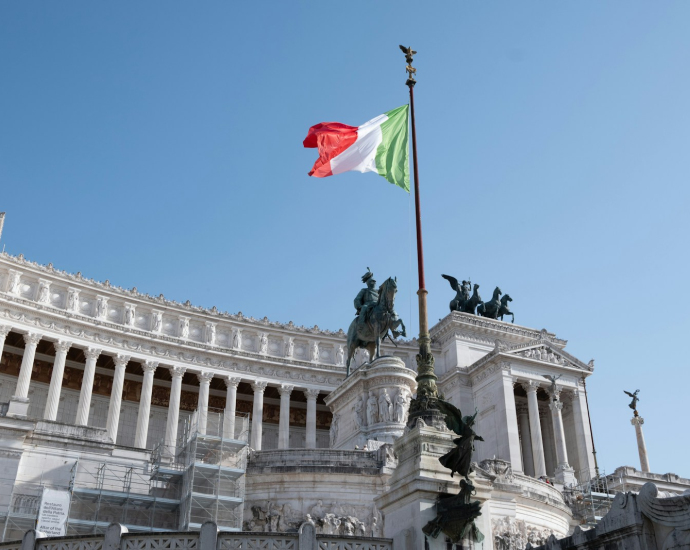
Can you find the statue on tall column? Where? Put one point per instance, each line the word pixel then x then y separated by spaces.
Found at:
pixel 635 399
pixel 376 316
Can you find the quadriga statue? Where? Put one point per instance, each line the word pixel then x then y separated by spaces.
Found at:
pixel 473 304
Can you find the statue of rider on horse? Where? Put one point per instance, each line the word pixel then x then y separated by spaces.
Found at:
pixel 375 318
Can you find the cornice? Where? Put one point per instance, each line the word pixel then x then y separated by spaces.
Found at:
pixel 485 330
pixel 105 288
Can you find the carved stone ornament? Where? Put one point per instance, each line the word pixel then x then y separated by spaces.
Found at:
pixel 514 534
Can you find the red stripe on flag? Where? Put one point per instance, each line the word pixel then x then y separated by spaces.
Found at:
pixel 331 138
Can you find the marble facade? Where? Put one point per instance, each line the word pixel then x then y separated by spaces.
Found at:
pixel 125 371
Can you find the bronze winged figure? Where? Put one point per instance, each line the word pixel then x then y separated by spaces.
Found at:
pixel 635 399
pixel 459 459
pixel 409 52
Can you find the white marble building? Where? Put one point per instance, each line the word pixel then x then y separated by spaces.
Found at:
pixel 95 377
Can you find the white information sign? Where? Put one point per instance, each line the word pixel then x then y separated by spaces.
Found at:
pixel 52 516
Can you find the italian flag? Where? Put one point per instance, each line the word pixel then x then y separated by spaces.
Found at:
pixel 379 145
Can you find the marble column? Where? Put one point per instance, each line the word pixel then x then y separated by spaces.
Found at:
pixel 116 397
pixel 311 395
pixel 535 429
pixel 559 434
pixel 84 406
pixel 19 402
pixel 547 435
pixel 526 438
pixel 142 432
pixel 202 405
pixel 230 407
pixel 53 400
pixel 4 331
pixel 284 424
pixel 257 414
pixel 173 409
pixel 508 436
pixel 637 421
pixel 583 434
pixel 564 473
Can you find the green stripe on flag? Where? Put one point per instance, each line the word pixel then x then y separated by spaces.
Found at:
pixel 392 155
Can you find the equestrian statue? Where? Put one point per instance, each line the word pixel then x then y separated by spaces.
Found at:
pixel 376 316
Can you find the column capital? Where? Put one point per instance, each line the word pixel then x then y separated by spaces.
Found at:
pixel 32 338
pixel 556 405
pixel 92 353
pixel 637 421
pixel 530 386
pixel 259 386
pixel 311 393
pixel 204 377
pixel 4 330
pixel 121 360
pixel 285 389
pixel 522 409
pixel 149 366
pixel 231 382
pixel 62 345
pixel 177 372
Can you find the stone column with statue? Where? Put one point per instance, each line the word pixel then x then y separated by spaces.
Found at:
pixel 637 421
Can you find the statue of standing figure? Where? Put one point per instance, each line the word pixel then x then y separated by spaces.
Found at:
pixel 385 406
pixel 372 409
pixel 400 403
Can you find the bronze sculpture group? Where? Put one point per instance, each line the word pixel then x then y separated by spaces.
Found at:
pixel 376 320
pixel 456 513
pixel 473 304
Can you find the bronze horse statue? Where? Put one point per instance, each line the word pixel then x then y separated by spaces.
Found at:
pixel 463 301
pixel 504 310
pixel 491 308
pixel 471 304
pixel 380 318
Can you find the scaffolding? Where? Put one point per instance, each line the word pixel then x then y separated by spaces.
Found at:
pixel 213 475
pixel 590 500
pixel 199 479
pixel 108 492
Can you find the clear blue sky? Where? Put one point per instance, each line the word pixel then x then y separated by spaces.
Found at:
pixel 159 145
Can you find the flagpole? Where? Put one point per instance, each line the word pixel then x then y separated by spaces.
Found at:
pixel 427 391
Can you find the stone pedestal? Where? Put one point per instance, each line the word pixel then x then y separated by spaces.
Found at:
pixel 19 407
pixel 371 404
pixel 565 475
pixel 415 485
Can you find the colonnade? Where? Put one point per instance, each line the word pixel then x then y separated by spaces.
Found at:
pixel 544 446
pixel 20 400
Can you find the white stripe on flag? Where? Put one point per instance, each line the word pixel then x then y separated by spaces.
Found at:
pixel 361 155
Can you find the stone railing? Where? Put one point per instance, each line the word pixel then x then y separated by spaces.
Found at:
pixel 207 538
pixel 13 545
